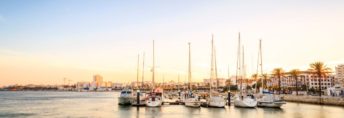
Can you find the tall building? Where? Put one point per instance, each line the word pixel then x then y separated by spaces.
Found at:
pixel 98 80
pixel 340 74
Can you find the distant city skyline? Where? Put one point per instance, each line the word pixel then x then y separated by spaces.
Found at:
pixel 43 42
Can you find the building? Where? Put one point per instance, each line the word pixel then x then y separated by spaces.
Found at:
pixel 97 80
pixel 340 74
pixel 305 78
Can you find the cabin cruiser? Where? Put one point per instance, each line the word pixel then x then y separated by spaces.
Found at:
pixel 155 98
pixel 192 100
pixel 270 100
pixel 247 101
pixel 125 97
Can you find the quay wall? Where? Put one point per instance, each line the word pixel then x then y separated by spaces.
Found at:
pixel 324 100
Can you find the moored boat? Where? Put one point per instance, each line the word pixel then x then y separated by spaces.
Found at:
pixel 270 100
pixel 125 97
pixel 192 100
pixel 155 98
pixel 245 101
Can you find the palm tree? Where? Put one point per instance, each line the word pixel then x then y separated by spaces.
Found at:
pixel 278 72
pixel 255 77
pixel 320 70
pixel 295 74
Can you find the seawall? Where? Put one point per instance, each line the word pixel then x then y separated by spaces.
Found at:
pixel 324 100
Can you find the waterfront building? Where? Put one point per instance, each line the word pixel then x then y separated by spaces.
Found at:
pixel 306 78
pixel 340 74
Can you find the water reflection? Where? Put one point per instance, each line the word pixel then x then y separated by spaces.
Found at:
pixel 75 104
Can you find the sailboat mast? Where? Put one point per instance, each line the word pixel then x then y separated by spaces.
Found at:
pixel 257 73
pixel 243 68
pixel 138 66
pixel 153 68
pixel 238 62
pixel 217 81
pixel 143 67
pixel 189 74
pixel 261 61
pixel 211 64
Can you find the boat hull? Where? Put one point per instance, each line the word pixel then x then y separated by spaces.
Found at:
pixel 217 102
pixel 124 101
pixel 156 103
pixel 192 102
pixel 270 104
pixel 245 103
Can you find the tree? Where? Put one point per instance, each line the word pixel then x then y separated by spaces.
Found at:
pixel 255 77
pixel 320 70
pixel 278 72
pixel 295 74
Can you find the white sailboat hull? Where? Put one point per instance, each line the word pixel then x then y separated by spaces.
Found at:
pixel 270 104
pixel 192 102
pixel 217 102
pixel 269 100
pixel 246 102
pixel 156 103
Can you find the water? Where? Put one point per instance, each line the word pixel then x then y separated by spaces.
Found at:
pixel 104 104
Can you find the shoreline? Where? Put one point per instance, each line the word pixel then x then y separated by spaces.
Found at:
pixel 324 100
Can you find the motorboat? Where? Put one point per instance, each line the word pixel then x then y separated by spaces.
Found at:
pixel 125 97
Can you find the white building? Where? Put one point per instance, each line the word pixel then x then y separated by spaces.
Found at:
pixel 305 78
pixel 340 74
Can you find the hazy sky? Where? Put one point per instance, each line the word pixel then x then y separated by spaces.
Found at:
pixel 44 41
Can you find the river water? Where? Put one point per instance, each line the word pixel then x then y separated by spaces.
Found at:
pixel 104 104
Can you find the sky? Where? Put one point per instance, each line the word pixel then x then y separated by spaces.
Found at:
pixel 44 41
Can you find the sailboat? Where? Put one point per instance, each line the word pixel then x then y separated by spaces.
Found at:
pixel 191 98
pixel 155 97
pixel 268 99
pixel 243 100
pixel 215 98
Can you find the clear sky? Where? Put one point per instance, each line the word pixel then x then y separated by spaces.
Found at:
pixel 44 41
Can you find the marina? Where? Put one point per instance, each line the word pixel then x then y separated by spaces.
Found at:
pixel 171 59
pixel 105 104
